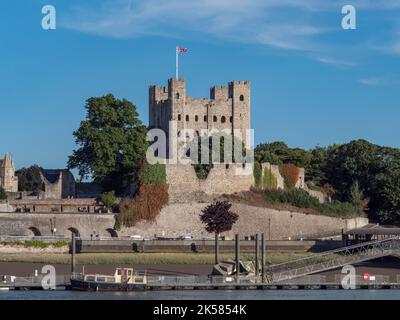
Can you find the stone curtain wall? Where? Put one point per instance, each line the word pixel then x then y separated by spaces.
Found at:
pixel 179 219
pixel 20 224
pixel 222 179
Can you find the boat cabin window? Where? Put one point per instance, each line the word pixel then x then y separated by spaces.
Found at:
pixel 89 278
pixel 129 272
pixel 119 272
pixel 101 279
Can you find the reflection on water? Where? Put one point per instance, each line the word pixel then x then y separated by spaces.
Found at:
pixel 206 295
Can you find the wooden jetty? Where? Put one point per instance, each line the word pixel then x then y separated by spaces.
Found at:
pixel 169 283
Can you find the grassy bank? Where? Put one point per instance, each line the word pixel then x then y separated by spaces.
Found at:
pixel 34 244
pixel 139 258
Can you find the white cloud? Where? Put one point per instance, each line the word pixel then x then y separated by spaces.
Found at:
pixel 335 62
pixel 389 80
pixel 371 81
pixel 256 21
pixel 286 24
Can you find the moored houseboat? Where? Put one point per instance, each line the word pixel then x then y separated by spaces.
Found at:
pixel 124 279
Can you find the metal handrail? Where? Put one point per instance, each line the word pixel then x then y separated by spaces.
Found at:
pixel 332 259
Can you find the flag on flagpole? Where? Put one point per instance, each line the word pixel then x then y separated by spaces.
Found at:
pixel 177 52
pixel 181 50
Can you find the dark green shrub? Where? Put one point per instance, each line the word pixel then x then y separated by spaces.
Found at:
pixel 3 194
pixel 108 199
pixel 152 174
pixel 257 172
pixel 269 180
pixel 301 199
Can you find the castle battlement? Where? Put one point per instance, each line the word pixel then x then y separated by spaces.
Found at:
pixel 227 108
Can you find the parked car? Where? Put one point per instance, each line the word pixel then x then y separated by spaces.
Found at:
pixel 187 237
pixel 136 237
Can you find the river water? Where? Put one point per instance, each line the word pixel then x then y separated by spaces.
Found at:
pixel 207 295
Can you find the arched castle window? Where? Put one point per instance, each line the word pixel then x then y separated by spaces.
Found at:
pixel 179 117
pixel 187 117
pixel 177 95
pixel 223 119
pixel 205 118
pixel 241 97
pixel 196 118
pixel 230 119
pixel 215 118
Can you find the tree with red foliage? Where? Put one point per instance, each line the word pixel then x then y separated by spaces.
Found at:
pixel 218 218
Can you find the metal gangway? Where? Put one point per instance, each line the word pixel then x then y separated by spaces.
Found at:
pixel 333 259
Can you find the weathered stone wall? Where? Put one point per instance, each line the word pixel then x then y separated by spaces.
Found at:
pixel 8 180
pixel 179 219
pixel 176 220
pixel 6 207
pixel 222 179
pixel 280 182
pixel 57 205
pixel 19 224
pixel 58 184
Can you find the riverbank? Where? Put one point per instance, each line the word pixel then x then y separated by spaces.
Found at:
pixel 138 258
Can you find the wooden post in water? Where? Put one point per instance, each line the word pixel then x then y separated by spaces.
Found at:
pixel 73 251
pixel 237 247
pixel 263 257
pixel 216 248
pixel 257 253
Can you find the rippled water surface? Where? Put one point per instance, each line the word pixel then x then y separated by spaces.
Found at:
pixel 207 295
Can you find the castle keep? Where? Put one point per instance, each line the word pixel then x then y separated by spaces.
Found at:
pixel 228 108
pixel 8 180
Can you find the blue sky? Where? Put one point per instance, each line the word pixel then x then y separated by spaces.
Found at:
pixel 313 83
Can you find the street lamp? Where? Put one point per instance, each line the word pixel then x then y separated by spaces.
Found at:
pixel 53 228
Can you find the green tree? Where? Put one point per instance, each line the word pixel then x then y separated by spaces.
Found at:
pixel 3 194
pixel 29 179
pixel 108 199
pixel 356 194
pixel 112 143
pixel 358 161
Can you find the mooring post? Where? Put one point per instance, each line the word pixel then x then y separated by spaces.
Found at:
pixel 237 247
pixel 73 251
pixel 257 253
pixel 263 257
pixel 216 248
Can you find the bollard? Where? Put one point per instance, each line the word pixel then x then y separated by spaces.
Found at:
pixel 237 247
pixel 257 244
pixel 263 257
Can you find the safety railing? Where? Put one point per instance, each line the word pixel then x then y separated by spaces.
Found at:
pixel 332 259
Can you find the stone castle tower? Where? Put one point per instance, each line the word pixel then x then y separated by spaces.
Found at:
pixel 227 108
pixel 8 180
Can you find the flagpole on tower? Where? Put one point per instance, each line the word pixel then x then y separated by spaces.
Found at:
pixel 176 63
